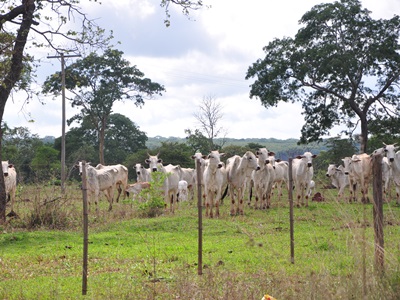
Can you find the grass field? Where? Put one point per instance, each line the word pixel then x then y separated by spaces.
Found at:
pixel 244 257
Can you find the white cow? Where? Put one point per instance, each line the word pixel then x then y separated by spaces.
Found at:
pixel 10 181
pixel 263 179
pixel 394 163
pixel 121 178
pixel 174 174
pixel 189 175
pixel 281 169
pixel 182 190
pixel 359 169
pixel 238 169
pixel 170 184
pixel 303 172
pixel 213 180
pixel 338 178
pixel 203 161
pixel 143 174
pixel 100 180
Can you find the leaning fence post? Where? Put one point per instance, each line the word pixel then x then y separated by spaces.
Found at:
pixel 85 230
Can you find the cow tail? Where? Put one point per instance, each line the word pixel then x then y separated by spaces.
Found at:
pixel 225 192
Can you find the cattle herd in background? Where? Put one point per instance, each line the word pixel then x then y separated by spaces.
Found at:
pixel 259 174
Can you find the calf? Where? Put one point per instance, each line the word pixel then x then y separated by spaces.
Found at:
pixel 10 182
pixel 136 188
pixel 182 190
pixel 338 178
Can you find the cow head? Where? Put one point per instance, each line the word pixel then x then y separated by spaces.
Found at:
pixel 308 157
pixel 80 165
pixel 214 159
pixel 154 162
pixel 390 151
pixel 251 160
pixel 5 165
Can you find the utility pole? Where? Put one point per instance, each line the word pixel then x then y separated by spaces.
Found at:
pixel 62 56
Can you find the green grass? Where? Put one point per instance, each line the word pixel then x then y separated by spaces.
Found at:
pixel 244 257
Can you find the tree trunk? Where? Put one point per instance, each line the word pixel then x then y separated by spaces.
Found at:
pixel 102 134
pixel 13 75
pixel 364 134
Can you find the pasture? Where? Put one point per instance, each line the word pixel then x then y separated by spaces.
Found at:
pixel 244 257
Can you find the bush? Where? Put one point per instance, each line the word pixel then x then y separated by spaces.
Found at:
pixel 155 203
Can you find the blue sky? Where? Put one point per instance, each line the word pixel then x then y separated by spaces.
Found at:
pixel 207 55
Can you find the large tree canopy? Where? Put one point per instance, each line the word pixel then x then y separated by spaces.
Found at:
pixel 342 65
pixel 99 81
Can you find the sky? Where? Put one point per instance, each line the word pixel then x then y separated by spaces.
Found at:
pixel 206 55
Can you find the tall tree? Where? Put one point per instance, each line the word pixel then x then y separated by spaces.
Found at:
pixel 208 117
pixel 341 65
pixel 97 82
pixel 123 137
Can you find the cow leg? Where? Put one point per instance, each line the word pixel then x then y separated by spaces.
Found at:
pixel 218 196
pixel 207 204
pixel 232 196
pixel 240 210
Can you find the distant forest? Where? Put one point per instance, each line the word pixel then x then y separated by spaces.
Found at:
pixel 288 146
pixel 283 148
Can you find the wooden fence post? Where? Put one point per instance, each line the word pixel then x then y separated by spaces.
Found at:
pixel 85 230
pixel 200 219
pixel 291 212
pixel 378 212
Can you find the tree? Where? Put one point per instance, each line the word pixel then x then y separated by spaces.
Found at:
pixel 19 147
pixel 99 81
pixel 341 65
pixel 208 117
pixel 46 163
pixel 197 141
pixel 17 19
pixel 123 137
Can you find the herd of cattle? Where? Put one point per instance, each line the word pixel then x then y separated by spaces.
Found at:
pixel 258 173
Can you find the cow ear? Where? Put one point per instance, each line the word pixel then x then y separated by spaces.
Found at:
pixel 271 153
pixel 204 156
pixel 314 156
pixel 222 154
pixel 160 161
pixel 147 161
pixel 193 156
pixel 299 157
pixel 278 160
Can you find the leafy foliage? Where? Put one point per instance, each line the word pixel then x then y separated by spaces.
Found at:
pixel 99 81
pixel 341 65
